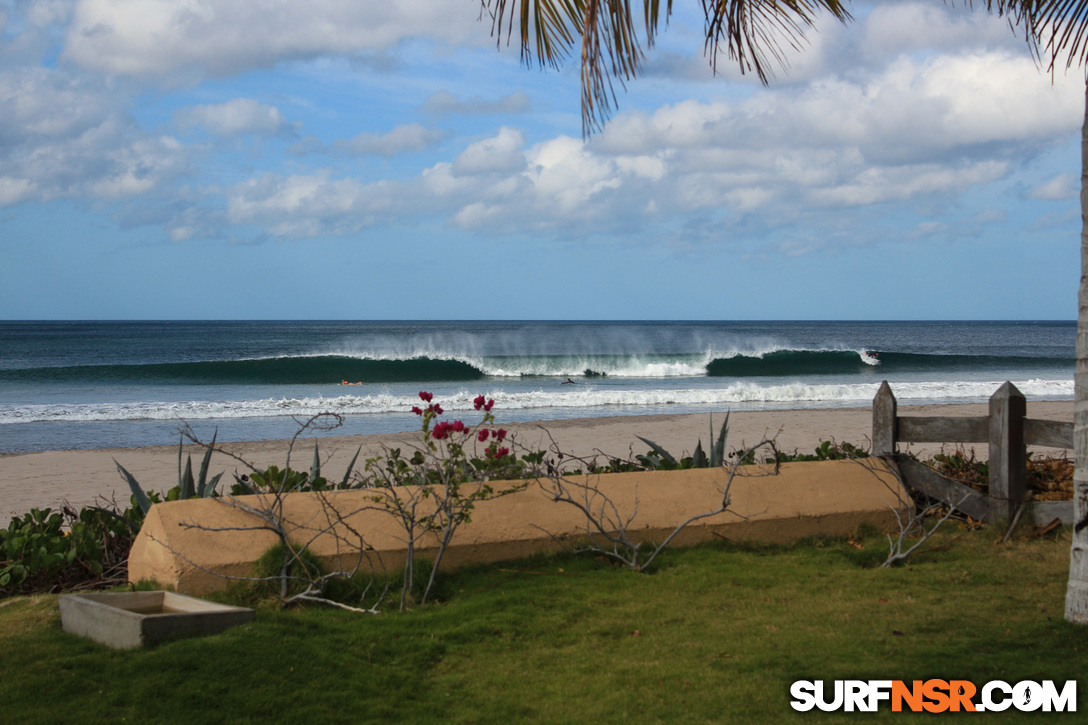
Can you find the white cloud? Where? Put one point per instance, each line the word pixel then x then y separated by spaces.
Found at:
pixel 940 101
pixel 892 28
pixel 877 185
pixel 915 129
pixel 308 205
pixel 1063 186
pixel 407 138
pixel 502 152
pixel 169 39
pixel 13 191
pixel 910 111
pixel 28 28
pixel 44 103
pixel 239 116
pixel 66 137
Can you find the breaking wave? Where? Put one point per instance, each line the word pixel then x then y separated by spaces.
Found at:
pixel 736 395
pixel 335 368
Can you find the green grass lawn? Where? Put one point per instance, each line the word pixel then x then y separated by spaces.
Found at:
pixel 715 634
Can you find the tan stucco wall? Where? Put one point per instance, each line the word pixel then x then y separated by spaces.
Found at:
pixel 187 545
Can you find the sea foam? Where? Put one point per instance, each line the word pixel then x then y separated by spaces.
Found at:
pixel 737 396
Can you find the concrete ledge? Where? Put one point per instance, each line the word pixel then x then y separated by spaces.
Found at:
pixel 191 545
pixel 124 620
pixel 1042 513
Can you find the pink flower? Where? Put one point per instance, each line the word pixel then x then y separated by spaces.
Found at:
pixel 436 408
pixel 482 435
pixel 499 453
pixel 442 430
pixel 458 426
pixel 500 435
pixel 487 408
pixel 425 397
pixel 417 410
pixel 478 402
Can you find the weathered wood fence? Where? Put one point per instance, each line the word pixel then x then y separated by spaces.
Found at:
pixel 1007 430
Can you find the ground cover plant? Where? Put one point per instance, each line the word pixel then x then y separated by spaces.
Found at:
pixel 716 634
pixel 46 550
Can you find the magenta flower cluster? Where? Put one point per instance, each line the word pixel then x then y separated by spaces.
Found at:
pixel 434 408
pixel 446 429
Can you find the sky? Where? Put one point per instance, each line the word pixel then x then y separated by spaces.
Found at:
pixel 326 159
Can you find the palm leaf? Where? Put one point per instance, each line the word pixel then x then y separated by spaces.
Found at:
pixel 1060 25
pixel 755 34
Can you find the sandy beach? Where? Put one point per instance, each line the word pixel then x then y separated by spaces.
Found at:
pixel 51 478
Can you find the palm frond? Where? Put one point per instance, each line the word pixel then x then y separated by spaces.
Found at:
pixel 611 43
pixel 752 31
pixel 1061 27
pixel 546 28
pixel 1054 28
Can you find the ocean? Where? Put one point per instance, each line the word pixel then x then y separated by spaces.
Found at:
pixel 70 385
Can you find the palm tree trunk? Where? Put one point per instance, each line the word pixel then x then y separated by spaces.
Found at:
pixel 1076 597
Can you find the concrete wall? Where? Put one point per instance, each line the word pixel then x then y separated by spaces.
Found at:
pixel 188 545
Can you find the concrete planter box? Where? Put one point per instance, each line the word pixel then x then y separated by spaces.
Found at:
pixel 123 620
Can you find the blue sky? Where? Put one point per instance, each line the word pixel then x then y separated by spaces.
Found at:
pixel 225 159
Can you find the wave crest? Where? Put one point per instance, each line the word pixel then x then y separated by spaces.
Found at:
pixel 737 396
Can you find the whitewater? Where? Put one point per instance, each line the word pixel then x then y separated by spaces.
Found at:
pixel 108 384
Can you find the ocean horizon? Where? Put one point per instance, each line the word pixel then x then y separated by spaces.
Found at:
pixel 106 384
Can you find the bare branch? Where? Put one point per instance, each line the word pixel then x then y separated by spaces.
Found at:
pixel 607 528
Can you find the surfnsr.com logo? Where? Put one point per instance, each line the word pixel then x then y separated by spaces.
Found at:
pixel 934 696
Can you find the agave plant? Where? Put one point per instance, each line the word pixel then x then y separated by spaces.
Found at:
pixel 188 486
pixel 273 479
pixel 662 459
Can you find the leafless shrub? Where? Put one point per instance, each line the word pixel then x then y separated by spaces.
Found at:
pixel 917 517
pixel 609 530
pixel 296 575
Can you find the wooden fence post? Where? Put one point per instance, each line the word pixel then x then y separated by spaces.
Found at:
pixel 884 427
pixel 1008 458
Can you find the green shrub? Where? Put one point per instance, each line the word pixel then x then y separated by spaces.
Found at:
pixel 46 549
pixel 283 572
